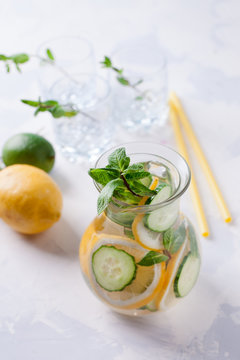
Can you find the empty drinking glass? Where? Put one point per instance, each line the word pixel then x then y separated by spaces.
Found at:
pixel 72 54
pixel 84 136
pixel 143 102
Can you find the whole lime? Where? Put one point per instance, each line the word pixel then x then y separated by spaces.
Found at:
pixel 31 149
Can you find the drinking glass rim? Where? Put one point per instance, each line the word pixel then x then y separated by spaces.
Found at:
pixel 85 40
pixel 101 100
pixel 149 207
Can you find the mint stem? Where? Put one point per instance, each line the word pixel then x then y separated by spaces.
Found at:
pixel 127 186
pixel 79 111
pixel 53 63
pixel 167 253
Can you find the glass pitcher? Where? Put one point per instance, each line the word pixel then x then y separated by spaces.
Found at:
pixel 142 258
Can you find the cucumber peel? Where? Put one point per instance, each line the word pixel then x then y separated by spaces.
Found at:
pixel 187 275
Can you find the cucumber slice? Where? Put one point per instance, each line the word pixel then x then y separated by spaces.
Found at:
pixel 163 196
pixel 164 192
pixel 113 268
pixel 187 275
pixel 162 219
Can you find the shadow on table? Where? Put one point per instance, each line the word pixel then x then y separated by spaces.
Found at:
pixel 202 326
pixel 61 240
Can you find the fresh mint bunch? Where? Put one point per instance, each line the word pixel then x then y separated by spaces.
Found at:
pixel 107 63
pixel 120 180
pixel 57 110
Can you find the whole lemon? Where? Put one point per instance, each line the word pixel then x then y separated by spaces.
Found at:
pixel 30 201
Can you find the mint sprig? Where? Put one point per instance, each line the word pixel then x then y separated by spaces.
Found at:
pixel 56 109
pixel 121 180
pixel 22 58
pixel 52 106
pixel 107 63
pixel 16 60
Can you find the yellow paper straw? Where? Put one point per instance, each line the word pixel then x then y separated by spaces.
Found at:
pixel 175 102
pixel 193 186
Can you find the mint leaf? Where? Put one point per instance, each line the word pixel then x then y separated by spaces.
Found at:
pixel 19 58
pixel 3 57
pixel 139 98
pixel 136 175
pixel 168 238
pixel 70 113
pixel 119 71
pixel 106 62
pixel 39 109
pixel 103 176
pixel 57 111
pixel 7 67
pixel 18 68
pixel 30 102
pixel 125 195
pixel 136 167
pixel 50 103
pixel 173 239
pixel 123 81
pixel 141 189
pixel 106 194
pixel 50 54
pixel 152 258
pixel 119 160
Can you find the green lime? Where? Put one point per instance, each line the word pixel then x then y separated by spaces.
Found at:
pixel 29 149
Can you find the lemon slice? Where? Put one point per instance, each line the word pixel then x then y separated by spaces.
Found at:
pixel 162 298
pixel 143 288
pixel 147 238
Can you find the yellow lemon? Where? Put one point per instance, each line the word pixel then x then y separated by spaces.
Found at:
pixel 30 201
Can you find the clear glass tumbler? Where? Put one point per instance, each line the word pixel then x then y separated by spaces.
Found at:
pixel 83 137
pixel 139 233
pixel 144 103
pixel 72 54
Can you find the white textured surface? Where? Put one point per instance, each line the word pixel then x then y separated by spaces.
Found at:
pixel 46 310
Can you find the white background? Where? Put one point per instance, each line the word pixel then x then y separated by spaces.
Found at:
pixel 46 310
